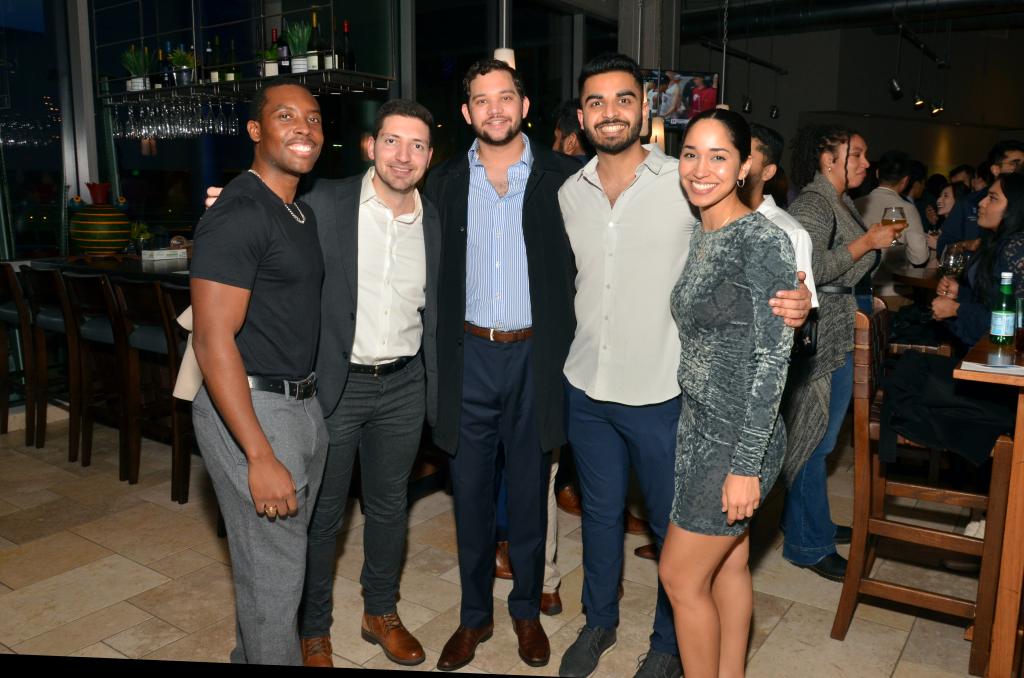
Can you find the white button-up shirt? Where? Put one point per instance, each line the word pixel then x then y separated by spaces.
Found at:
pixel 628 258
pixel 798 235
pixel 392 280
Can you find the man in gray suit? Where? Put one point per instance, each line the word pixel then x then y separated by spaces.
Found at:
pixel 376 369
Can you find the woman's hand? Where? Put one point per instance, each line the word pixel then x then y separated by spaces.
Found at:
pixel 881 236
pixel 947 287
pixel 933 240
pixel 741 495
pixel 931 215
pixel 944 307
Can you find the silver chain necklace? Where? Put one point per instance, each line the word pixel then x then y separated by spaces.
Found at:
pixel 301 218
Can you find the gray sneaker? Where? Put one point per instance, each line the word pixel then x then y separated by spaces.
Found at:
pixel 656 664
pixel 580 660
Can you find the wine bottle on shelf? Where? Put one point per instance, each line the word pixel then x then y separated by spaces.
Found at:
pixel 330 61
pixel 284 55
pixel 156 76
pixel 348 55
pixel 207 66
pixel 147 82
pixel 316 46
pixel 166 67
pixel 231 74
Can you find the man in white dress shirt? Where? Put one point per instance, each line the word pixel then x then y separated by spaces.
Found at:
pixel 765 152
pixel 893 170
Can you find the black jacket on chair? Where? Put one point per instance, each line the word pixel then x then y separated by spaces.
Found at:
pixel 336 204
pixel 551 270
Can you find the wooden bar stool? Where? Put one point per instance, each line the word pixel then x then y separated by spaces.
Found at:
pixel 15 313
pixel 51 315
pixel 872 486
pixel 176 298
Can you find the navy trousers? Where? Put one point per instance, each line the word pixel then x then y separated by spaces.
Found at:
pixel 498 408
pixel 607 439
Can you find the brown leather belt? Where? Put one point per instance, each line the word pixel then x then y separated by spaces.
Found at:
pixel 499 336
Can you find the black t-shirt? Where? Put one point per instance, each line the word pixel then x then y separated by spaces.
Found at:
pixel 248 239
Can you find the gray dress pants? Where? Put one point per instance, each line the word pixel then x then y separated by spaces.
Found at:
pixel 268 557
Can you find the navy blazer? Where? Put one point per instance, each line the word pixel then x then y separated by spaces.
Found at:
pixel 336 204
pixel 551 270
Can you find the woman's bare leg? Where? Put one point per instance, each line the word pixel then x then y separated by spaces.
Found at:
pixel 733 593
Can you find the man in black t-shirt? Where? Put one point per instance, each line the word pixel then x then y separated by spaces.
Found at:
pixel 256 276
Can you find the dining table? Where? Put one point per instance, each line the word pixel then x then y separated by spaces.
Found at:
pixel 129 267
pixel 1011 565
pixel 918 278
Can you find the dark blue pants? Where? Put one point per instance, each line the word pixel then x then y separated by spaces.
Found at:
pixel 498 408
pixel 607 439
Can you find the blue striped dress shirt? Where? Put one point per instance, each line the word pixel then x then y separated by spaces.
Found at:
pixel 497 282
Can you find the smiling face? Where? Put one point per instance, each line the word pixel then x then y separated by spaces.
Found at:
pixel 495 109
pixel 944 203
pixel 992 207
pixel 1009 164
pixel 710 165
pixel 400 152
pixel 613 111
pixel 289 133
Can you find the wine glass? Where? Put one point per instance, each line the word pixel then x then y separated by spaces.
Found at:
pixel 953 260
pixel 895 216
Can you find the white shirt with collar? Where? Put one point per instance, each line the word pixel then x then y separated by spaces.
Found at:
pixel 628 258
pixel 392 280
pixel 798 235
pixel 911 247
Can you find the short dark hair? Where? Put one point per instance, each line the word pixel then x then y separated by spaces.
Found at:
pixel 984 172
pixel 918 172
pixel 739 130
pixel 893 166
pixel 936 183
pixel 407 108
pixel 567 121
pixel 610 63
pixel 769 143
pixel 962 168
pixel 485 66
pixel 999 151
pixel 260 100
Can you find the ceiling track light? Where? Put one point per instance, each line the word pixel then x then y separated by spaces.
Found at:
pixel 918 101
pixel 937 107
pixel 895 88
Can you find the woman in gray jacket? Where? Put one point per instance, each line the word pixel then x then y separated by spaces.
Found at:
pixel 827 162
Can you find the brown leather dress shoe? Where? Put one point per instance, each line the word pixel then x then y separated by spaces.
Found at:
pixel 461 647
pixel 569 501
pixel 636 526
pixel 316 652
pixel 647 552
pixel 551 603
pixel 398 644
pixel 534 648
pixel 502 564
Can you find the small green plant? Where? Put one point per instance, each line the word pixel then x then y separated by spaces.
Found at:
pixel 137 63
pixel 297 35
pixel 182 59
pixel 269 54
pixel 140 230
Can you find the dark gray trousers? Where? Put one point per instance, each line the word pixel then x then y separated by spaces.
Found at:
pixel 268 560
pixel 381 418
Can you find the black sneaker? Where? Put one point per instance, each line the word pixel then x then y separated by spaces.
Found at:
pixel 656 664
pixel 843 535
pixel 832 566
pixel 581 659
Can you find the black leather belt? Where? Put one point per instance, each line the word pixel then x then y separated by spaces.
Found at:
pixel 838 289
pixel 383 368
pixel 297 390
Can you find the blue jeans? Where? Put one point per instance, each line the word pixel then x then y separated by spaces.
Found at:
pixel 806 521
pixel 607 439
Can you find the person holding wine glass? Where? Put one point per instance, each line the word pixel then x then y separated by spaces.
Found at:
pixel 828 161
pixel 965 305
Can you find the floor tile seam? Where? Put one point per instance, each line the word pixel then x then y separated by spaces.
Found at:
pixel 188 634
pixel 77 619
pixel 104 642
pixel 903 649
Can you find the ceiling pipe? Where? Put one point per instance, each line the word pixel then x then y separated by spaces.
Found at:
pixel 795 16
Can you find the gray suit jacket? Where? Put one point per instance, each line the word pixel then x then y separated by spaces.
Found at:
pixel 336 204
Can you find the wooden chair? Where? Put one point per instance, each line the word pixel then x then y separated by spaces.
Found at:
pixel 176 298
pixel 51 315
pixel 872 486
pixel 15 313
pixel 102 343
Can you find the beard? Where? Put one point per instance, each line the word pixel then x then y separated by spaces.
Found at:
pixel 615 147
pixel 513 131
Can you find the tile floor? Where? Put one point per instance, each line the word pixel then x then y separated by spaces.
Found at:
pixel 90 566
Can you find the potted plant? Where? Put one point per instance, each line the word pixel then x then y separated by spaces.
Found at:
pixel 268 62
pixel 139 65
pixel 297 35
pixel 184 63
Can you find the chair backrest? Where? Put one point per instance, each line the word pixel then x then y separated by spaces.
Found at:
pixel 870 345
pixel 91 296
pixel 44 287
pixel 176 298
pixel 11 292
pixel 140 300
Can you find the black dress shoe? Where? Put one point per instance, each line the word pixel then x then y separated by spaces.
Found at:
pixel 843 534
pixel 832 566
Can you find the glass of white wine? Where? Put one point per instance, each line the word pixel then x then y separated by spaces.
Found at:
pixel 896 217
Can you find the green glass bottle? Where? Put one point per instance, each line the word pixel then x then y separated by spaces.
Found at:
pixel 1004 312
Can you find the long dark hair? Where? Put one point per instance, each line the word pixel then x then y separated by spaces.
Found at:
pixel 986 280
pixel 739 130
pixel 811 141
